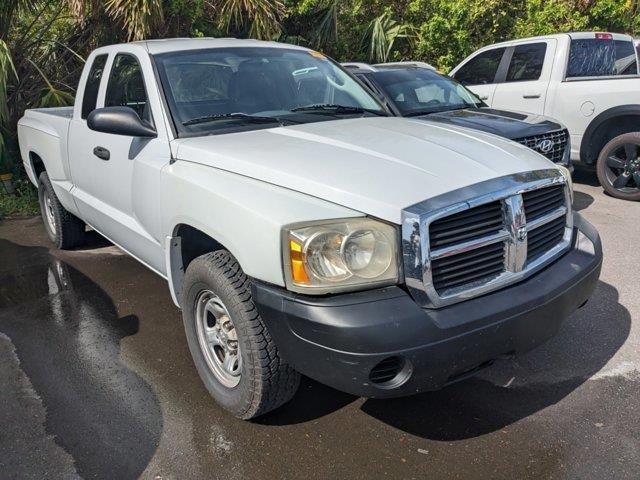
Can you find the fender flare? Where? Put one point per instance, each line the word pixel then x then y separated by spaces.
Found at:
pixel 589 141
pixel 174 265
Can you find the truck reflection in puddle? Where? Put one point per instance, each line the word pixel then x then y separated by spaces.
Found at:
pixel 67 334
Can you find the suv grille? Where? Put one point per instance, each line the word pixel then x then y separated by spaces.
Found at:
pixel 476 246
pixel 559 143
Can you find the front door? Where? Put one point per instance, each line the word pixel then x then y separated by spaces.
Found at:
pixel 479 73
pixel 117 177
pixel 525 82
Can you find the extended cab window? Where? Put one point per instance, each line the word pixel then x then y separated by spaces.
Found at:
pixel 526 62
pixel 92 85
pixel 126 86
pixel 481 69
pixel 595 57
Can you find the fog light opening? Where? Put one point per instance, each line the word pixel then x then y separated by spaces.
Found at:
pixel 390 372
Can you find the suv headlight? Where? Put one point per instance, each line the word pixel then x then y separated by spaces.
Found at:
pixel 338 255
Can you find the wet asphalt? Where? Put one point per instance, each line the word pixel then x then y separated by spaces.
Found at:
pixel 96 381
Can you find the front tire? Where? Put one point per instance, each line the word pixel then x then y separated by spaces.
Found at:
pixel 64 229
pixel 232 349
pixel 619 167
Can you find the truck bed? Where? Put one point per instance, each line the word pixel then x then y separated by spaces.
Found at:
pixel 64 112
pixel 43 132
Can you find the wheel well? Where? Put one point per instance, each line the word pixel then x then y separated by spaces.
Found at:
pixel 608 129
pixel 194 243
pixel 186 244
pixel 37 165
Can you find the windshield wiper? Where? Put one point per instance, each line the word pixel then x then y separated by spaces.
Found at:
pixel 233 116
pixel 334 109
pixel 429 111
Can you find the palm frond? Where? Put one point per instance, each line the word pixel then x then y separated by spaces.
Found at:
pixel 138 16
pixel 71 50
pixel 9 9
pixel 51 96
pixel 78 8
pixel 380 37
pixel 7 70
pixel 326 33
pixel 262 17
pixel 54 97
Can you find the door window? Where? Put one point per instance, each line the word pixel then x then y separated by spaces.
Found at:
pixel 126 86
pixel 597 57
pixel 481 69
pixel 92 85
pixel 526 62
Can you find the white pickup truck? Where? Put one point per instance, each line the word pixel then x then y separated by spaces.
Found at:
pixel 302 229
pixel 588 81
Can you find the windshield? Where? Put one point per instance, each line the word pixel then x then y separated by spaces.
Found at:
pixel 418 91
pixel 230 89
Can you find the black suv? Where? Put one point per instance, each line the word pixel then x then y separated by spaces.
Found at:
pixel 417 90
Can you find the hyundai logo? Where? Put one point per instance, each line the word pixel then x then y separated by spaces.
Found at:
pixel 545 146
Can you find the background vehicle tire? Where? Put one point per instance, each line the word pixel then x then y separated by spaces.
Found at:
pixel 64 229
pixel 231 347
pixel 618 167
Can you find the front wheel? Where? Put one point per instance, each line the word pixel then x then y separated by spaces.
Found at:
pixel 231 347
pixel 619 167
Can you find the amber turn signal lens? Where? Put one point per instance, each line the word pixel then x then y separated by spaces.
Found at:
pixel 298 272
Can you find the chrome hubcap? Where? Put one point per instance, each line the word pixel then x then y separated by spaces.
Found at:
pixel 218 338
pixel 48 210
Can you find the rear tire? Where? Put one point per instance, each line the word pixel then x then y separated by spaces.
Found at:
pixel 64 229
pixel 232 349
pixel 618 167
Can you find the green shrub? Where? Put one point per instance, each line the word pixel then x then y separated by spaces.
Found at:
pixel 23 202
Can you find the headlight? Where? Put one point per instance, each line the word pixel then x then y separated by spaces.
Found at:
pixel 340 255
pixel 567 175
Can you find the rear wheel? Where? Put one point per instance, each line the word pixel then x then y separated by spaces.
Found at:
pixel 232 349
pixel 619 167
pixel 64 229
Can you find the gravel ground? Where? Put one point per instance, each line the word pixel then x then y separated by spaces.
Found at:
pixel 97 382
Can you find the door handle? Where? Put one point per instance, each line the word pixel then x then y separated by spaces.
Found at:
pixel 101 153
pixel 531 95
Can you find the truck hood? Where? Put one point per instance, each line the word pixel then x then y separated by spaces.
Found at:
pixel 499 122
pixel 377 166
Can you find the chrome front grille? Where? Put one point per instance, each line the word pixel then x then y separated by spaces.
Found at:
pixel 466 226
pixel 556 142
pixel 538 203
pixel 479 264
pixel 544 237
pixel 486 240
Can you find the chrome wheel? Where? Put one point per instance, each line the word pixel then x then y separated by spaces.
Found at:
pixel 218 338
pixel 47 205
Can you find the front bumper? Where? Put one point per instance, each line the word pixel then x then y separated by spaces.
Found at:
pixel 338 340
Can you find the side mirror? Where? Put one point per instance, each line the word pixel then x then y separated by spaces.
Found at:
pixel 119 121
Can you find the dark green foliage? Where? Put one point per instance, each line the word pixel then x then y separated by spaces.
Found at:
pixel 43 42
